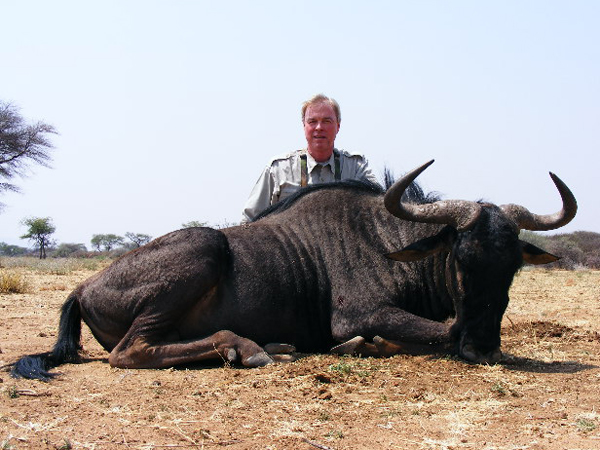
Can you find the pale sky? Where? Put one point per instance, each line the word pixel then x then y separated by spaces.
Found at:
pixel 169 110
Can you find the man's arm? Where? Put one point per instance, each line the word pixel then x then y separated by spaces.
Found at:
pixel 260 197
pixel 366 174
pixel 361 169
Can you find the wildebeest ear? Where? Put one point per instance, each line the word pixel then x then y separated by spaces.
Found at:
pixel 535 255
pixel 425 247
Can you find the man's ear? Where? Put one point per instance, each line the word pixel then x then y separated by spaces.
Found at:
pixel 426 247
pixel 535 255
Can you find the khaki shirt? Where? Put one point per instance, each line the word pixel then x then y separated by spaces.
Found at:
pixel 282 177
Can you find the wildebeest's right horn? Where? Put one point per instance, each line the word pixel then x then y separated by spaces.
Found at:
pixel 526 220
pixel 460 214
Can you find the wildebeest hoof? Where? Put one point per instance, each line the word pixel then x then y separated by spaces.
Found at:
pixel 278 349
pixel 258 360
pixel 281 353
pixel 469 353
pixel 231 355
pixel 283 357
pixel 387 348
pixel 349 347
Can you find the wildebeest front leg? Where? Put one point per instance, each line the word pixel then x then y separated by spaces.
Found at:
pixel 358 345
pixel 139 352
pixel 381 347
pixel 392 330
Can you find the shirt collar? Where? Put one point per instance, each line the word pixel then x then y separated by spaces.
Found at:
pixel 311 163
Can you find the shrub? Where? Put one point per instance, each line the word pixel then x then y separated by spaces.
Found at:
pixel 570 253
pixel 67 249
pixel 12 250
pixel 576 250
pixel 12 282
pixel 593 261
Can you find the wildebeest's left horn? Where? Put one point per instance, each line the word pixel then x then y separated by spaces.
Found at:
pixel 460 214
pixel 526 220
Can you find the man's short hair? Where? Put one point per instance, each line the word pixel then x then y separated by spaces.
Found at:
pixel 321 98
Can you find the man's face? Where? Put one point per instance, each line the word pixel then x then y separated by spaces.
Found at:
pixel 320 128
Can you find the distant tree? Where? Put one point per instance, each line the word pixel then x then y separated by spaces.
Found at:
pixel 111 241
pixel 11 250
pixel 194 224
pixel 138 239
pixel 224 224
pixel 218 226
pixel 21 145
pixel 65 250
pixel 106 241
pixel 39 231
pixel 97 241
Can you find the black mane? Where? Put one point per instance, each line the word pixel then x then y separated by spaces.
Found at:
pixel 414 193
pixel 364 186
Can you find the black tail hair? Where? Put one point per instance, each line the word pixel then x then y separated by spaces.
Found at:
pixel 66 349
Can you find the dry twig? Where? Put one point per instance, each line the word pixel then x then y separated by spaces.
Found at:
pixel 316 445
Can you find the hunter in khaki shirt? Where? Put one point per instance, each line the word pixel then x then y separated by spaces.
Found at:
pixel 324 163
pixel 282 177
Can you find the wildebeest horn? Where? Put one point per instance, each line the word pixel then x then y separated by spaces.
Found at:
pixel 460 214
pixel 526 220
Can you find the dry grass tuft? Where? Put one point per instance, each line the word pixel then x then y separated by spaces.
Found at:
pixel 55 287
pixel 12 282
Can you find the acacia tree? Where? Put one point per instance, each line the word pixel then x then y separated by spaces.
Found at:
pixel 39 231
pixel 218 226
pixel 96 241
pixel 20 145
pixel 138 239
pixel 107 241
pixel 194 224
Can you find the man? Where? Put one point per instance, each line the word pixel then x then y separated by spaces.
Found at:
pixel 319 163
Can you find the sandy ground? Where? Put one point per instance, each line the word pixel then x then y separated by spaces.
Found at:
pixel 544 395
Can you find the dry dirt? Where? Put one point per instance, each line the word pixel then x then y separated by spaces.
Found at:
pixel 544 395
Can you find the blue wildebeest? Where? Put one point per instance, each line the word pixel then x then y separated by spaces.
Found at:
pixel 345 265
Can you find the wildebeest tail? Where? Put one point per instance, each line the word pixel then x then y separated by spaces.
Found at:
pixel 65 350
